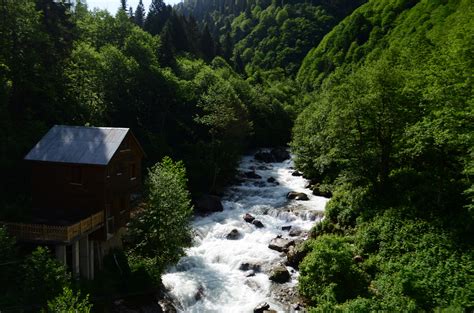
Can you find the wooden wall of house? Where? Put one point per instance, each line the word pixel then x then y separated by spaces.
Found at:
pixel 53 187
pixel 59 186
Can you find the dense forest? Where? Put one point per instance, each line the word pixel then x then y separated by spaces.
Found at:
pixel 375 99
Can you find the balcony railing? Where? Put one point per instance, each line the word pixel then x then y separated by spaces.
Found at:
pixel 41 232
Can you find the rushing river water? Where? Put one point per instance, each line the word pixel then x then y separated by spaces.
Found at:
pixel 208 278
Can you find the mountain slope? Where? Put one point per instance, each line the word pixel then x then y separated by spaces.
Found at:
pixel 379 25
pixel 268 34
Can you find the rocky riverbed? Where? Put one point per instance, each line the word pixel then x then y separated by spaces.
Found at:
pixel 244 258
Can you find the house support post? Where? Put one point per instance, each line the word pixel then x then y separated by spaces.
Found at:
pixel 91 259
pixel 75 259
pixel 60 251
pixel 84 262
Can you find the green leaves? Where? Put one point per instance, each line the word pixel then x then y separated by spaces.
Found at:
pixel 161 230
pixel 43 277
pixel 69 302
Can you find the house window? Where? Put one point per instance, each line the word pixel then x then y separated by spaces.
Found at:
pixel 76 175
pixel 133 171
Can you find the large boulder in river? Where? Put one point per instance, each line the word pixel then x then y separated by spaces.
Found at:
pixel 293 195
pixel 280 274
pixel 280 244
pixel 280 154
pixel 257 224
pixel 208 204
pixel 247 266
pixel 262 307
pixel 297 173
pixel 248 218
pixel 271 180
pixel 233 235
pixel 295 255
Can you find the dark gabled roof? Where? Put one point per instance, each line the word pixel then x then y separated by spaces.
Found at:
pixel 78 144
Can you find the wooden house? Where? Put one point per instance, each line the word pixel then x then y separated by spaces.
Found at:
pixel 83 181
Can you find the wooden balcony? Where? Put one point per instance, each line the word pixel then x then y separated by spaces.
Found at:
pixel 51 233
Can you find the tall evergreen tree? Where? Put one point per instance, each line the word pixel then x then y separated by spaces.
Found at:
pixel 227 47
pixel 158 14
pixel 123 5
pixel 207 45
pixel 140 14
pixel 167 49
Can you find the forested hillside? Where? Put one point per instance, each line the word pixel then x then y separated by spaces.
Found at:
pixel 389 130
pixel 375 99
pixel 264 34
pixel 60 65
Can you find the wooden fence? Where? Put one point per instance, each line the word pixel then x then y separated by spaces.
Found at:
pixel 41 232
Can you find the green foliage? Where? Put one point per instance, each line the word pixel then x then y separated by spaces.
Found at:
pixel 389 127
pixel 161 230
pixel 43 277
pixel 268 34
pixel 69 302
pixel 329 274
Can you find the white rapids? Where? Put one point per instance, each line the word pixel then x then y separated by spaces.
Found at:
pixel 208 278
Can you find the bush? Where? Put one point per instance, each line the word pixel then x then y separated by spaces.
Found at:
pixel 68 302
pixel 328 272
pixel 43 277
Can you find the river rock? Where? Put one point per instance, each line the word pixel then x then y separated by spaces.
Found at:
pixel 287 227
pixel 233 235
pixel 250 267
pixel 166 306
pixel 208 204
pixel 295 232
pixel 280 274
pixel 296 173
pixel 280 154
pixel 248 218
pixel 199 293
pixel 293 195
pixel 252 175
pixel 280 244
pixel 258 224
pixel 271 180
pixel 266 157
pixel 270 311
pixel 295 255
pixel 261 307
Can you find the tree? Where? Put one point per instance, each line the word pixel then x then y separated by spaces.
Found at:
pixel 207 45
pixel 123 5
pixel 158 14
pixel 43 277
pixel 140 14
pixel 161 229
pixel 227 47
pixel 69 302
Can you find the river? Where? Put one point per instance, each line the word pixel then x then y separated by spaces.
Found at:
pixel 209 278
